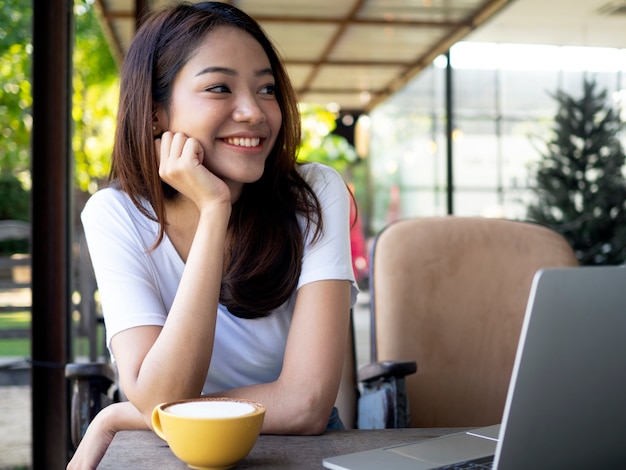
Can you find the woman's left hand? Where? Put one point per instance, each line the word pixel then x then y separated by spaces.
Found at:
pixel 101 432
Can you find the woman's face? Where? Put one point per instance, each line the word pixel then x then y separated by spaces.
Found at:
pixel 224 97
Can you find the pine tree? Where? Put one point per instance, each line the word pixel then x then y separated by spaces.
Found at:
pixel 580 179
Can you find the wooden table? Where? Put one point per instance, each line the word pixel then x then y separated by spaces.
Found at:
pixel 145 450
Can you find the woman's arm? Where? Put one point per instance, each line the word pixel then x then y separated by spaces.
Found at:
pixel 301 400
pixel 160 364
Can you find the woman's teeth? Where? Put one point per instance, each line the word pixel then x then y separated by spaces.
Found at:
pixel 244 142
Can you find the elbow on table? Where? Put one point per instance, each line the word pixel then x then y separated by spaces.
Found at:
pixel 144 409
pixel 304 427
pixel 309 418
pixel 317 426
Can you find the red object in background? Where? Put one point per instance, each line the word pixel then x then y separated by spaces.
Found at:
pixel 360 262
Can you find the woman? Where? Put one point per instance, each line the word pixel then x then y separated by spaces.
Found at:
pixel 223 267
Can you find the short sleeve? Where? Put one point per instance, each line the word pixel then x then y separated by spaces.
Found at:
pixel 329 256
pixel 119 239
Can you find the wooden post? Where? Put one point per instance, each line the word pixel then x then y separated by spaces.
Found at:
pixel 51 233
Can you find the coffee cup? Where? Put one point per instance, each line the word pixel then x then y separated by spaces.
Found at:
pixel 209 433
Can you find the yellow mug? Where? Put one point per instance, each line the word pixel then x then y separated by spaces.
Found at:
pixel 209 433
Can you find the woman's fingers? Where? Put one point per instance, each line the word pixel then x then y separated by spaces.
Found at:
pixel 181 166
pixel 193 151
pixel 177 145
pixel 177 153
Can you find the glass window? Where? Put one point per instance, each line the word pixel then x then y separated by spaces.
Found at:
pixel 504 110
pixel 476 203
pixel 475 154
pixel 474 92
pixel 527 93
pixel 522 143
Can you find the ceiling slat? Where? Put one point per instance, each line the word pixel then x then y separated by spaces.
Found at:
pixel 354 53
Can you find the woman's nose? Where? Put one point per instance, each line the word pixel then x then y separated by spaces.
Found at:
pixel 248 110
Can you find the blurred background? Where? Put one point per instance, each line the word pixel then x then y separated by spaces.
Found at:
pixel 490 108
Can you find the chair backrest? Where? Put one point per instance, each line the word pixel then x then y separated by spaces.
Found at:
pixel 450 293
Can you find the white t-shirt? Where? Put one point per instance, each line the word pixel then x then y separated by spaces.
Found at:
pixel 137 286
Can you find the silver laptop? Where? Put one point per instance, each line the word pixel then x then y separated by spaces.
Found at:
pixel 566 403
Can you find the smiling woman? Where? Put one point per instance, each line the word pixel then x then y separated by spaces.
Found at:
pixel 239 90
pixel 223 266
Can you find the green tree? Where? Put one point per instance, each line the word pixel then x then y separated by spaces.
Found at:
pixel 94 93
pixel 319 144
pixel 94 102
pixel 15 90
pixel 580 183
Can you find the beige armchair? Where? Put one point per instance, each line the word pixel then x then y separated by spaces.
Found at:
pixel 450 293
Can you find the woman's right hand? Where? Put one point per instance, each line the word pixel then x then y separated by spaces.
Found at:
pixel 101 431
pixel 181 166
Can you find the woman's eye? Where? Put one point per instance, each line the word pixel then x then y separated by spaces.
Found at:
pixel 269 90
pixel 218 89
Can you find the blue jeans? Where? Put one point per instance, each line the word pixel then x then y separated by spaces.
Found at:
pixel 334 422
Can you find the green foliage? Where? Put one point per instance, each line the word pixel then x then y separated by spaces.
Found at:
pixel 15 205
pixel 94 93
pixel 319 144
pixel 94 103
pixel 15 90
pixel 15 22
pixel 15 115
pixel 15 199
pixel 580 180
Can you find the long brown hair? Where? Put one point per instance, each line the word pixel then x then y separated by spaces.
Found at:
pixel 265 244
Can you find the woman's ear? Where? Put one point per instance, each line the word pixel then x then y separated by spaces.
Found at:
pixel 159 121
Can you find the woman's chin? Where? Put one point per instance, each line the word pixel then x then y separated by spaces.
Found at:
pixel 241 178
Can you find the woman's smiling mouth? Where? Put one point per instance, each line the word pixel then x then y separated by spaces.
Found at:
pixel 243 141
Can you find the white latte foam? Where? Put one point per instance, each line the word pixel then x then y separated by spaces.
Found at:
pixel 210 409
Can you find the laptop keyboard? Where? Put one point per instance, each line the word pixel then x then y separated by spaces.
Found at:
pixel 475 464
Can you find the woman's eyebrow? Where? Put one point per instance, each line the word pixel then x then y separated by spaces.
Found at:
pixel 267 71
pixel 228 71
pixel 225 70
